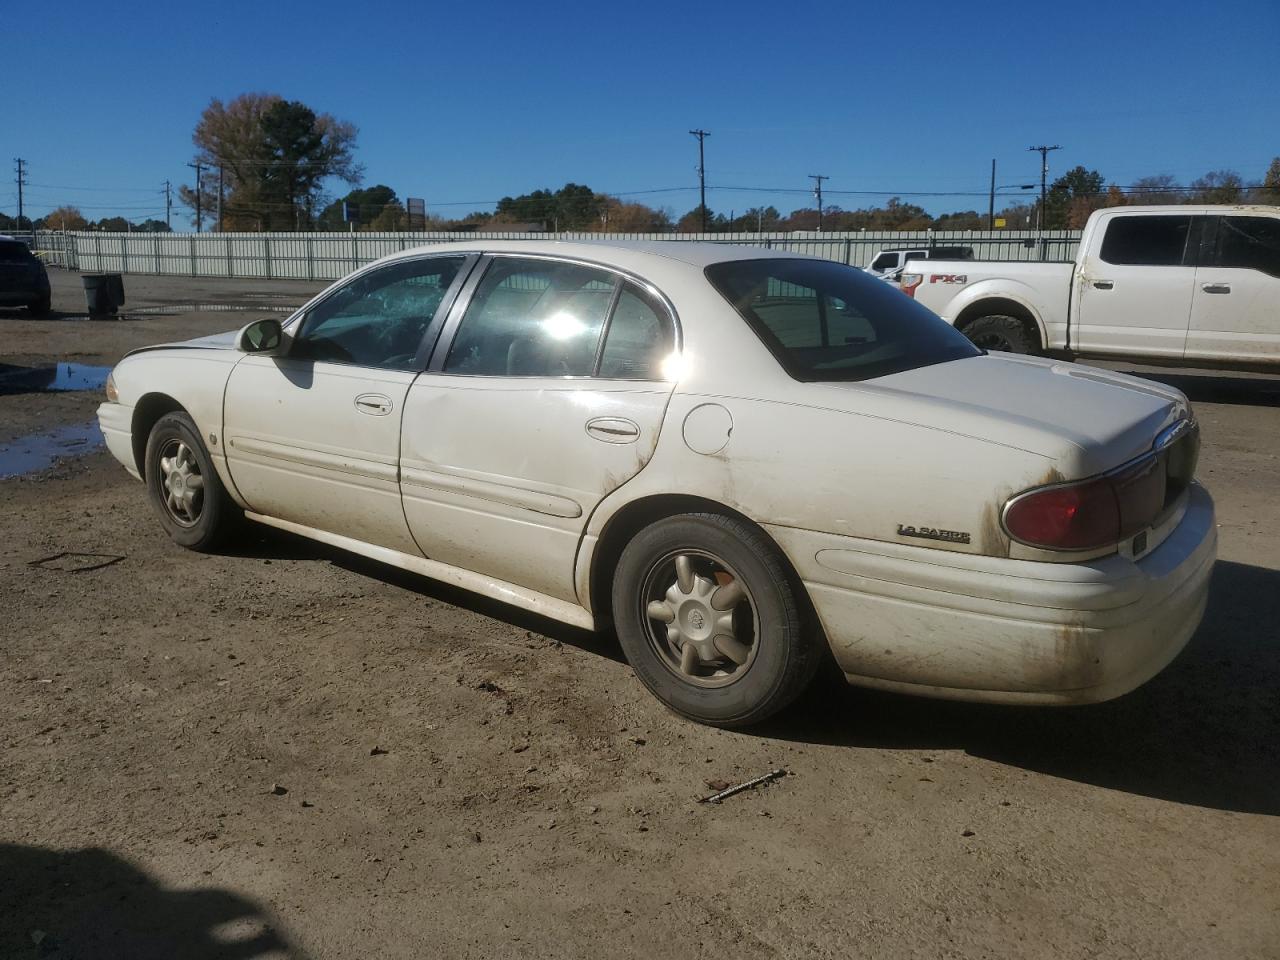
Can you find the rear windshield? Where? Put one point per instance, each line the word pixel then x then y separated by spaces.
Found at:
pixel 825 321
pixel 13 251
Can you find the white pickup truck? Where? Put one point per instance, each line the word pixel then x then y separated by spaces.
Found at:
pixel 1189 286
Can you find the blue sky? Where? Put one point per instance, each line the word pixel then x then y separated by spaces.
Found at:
pixel 465 103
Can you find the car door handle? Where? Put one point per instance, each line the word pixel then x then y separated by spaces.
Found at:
pixel 1104 284
pixel 1216 287
pixel 374 404
pixel 613 429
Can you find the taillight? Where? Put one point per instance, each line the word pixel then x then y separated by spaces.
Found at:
pixel 909 283
pixel 1070 517
pixel 1105 510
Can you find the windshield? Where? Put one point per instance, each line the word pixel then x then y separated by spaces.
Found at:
pixel 827 321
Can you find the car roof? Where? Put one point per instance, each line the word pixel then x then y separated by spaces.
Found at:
pixel 619 253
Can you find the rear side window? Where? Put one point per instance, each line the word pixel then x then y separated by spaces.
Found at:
pixel 1252 243
pixel 1157 241
pixel 639 338
pixel 533 318
pixel 824 321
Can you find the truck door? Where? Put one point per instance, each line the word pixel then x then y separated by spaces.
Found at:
pixel 1235 312
pixel 1134 290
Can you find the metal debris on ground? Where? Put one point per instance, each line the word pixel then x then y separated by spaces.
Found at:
pixel 68 562
pixel 747 785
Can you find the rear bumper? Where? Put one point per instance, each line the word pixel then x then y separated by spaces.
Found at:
pixel 966 627
pixel 116 421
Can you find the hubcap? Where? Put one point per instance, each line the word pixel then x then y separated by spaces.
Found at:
pixel 181 484
pixel 702 620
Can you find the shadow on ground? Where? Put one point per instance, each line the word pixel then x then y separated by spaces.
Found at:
pixel 91 903
pixel 269 543
pixel 1250 391
pixel 1205 732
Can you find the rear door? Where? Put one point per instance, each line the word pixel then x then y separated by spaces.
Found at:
pixel 314 437
pixel 1134 291
pixel 1236 309
pixel 546 395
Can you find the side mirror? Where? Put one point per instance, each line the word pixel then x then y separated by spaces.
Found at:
pixel 264 336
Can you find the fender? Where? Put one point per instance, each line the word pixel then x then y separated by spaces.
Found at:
pixel 1002 288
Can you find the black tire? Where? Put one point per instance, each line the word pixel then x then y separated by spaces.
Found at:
pixel 212 515
pixel 785 648
pixel 41 308
pixel 1007 334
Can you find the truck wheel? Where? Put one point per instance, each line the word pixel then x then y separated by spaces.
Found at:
pixel 1006 334
pixel 41 307
pixel 710 620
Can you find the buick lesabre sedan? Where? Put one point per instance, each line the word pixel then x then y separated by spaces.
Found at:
pixel 740 458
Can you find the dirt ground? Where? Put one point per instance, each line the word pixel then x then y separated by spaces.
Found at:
pixel 286 751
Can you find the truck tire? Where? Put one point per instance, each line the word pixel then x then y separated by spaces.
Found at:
pixel 41 307
pixel 1003 333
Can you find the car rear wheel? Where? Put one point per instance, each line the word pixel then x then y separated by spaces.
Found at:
pixel 710 620
pixel 1007 334
pixel 184 488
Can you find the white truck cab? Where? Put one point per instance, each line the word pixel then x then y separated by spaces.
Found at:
pixel 1180 285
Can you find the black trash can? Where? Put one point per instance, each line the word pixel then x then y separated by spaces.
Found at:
pixel 103 292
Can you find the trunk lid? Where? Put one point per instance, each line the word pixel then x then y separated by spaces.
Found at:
pixel 1087 419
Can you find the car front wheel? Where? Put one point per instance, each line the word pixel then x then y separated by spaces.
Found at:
pixel 184 488
pixel 710 620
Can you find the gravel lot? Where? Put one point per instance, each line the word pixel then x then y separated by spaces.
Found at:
pixel 287 751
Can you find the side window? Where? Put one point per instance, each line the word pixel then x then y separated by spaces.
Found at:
pixel 639 338
pixel 1155 241
pixel 1252 243
pixel 886 261
pixel 532 318
pixel 378 319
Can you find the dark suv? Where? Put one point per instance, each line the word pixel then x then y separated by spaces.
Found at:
pixel 23 280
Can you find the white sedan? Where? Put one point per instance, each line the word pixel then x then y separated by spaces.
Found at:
pixel 740 458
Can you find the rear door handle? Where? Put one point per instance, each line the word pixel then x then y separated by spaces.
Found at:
pixel 613 429
pixel 1104 284
pixel 1216 287
pixel 374 404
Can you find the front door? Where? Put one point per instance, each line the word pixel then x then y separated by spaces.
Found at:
pixel 548 397
pixel 1236 311
pixel 313 437
pixel 1133 295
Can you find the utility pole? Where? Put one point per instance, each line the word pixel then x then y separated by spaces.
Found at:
pixel 817 179
pixel 1044 174
pixel 702 176
pixel 22 182
pixel 991 204
pixel 219 198
pixel 168 205
pixel 199 169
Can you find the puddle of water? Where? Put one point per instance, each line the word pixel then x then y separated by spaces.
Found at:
pixel 39 451
pixel 62 377
pixel 209 308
